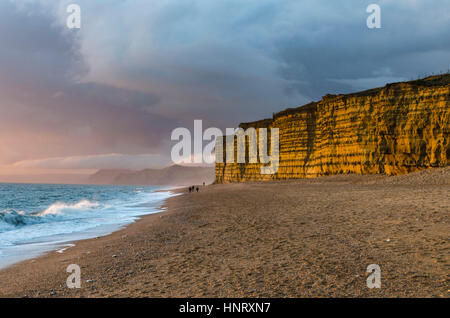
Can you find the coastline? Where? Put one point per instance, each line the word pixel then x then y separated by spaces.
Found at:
pixel 56 260
pixel 299 238
pixel 60 242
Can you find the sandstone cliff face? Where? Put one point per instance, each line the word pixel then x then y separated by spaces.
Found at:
pixel 400 128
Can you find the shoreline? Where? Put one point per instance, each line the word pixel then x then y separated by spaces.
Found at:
pixel 55 243
pixel 299 238
pixel 57 255
pixel 74 251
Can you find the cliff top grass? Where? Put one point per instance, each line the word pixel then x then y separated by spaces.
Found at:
pixel 430 81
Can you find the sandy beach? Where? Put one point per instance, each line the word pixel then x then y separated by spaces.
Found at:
pixel 302 238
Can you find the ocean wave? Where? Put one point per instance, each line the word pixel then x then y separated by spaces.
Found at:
pixel 61 207
pixel 33 217
pixel 10 219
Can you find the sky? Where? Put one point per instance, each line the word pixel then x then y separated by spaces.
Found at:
pixel 108 95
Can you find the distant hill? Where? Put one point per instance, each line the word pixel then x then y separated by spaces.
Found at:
pixel 173 175
pixel 107 176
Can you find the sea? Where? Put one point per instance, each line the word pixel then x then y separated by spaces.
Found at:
pixel 38 218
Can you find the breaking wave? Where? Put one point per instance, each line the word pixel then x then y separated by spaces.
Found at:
pixel 60 207
pixel 11 218
pixel 34 217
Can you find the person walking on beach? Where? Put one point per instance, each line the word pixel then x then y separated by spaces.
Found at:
pixel 197 189
pixel 190 189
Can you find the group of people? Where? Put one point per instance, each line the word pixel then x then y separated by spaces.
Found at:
pixel 194 188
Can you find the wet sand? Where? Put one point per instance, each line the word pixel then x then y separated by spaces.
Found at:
pixel 305 238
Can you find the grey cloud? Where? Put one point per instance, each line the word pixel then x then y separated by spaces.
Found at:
pixel 107 161
pixel 347 56
pixel 46 111
pixel 138 69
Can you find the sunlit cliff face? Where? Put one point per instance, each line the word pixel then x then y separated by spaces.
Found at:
pixel 109 94
pixel 394 130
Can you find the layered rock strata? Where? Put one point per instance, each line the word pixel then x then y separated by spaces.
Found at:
pixel 396 129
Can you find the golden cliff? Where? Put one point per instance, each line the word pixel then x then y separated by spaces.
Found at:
pixel 396 129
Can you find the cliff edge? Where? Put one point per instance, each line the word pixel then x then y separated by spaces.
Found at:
pixel 396 129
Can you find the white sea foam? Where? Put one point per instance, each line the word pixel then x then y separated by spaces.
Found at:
pixel 61 207
pixel 40 218
pixel 60 251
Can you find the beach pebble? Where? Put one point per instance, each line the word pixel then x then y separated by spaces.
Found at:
pixel 388 240
pixel 114 255
pixel 89 281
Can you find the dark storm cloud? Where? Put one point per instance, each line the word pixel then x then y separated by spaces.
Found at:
pixel 46 111
pixel 340 54
pixel 250 58
pixel 138 69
